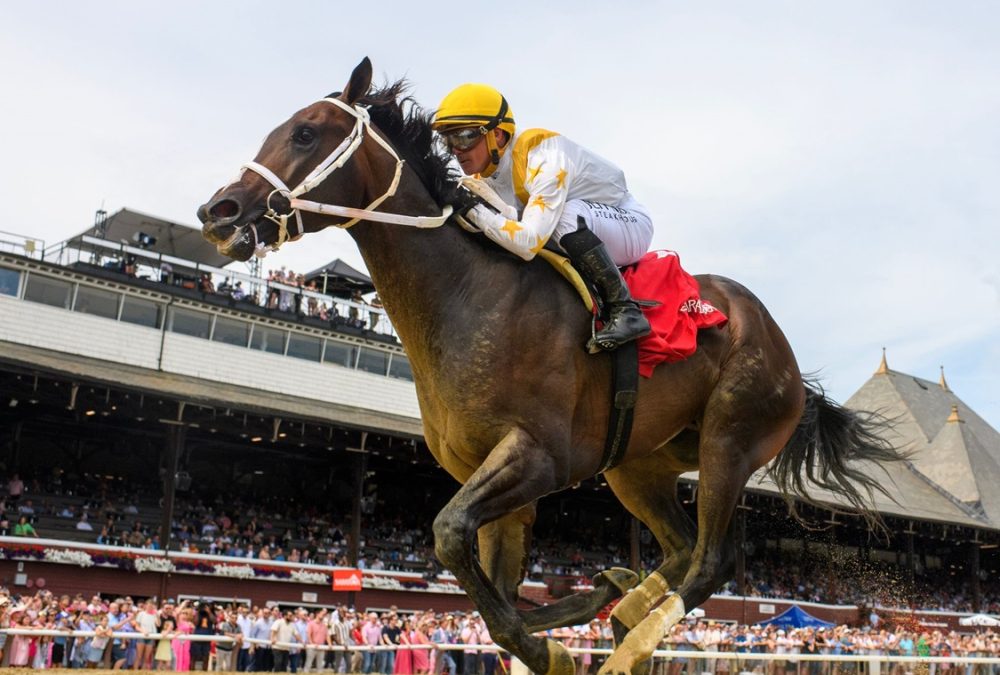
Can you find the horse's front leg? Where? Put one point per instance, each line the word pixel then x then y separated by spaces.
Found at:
pixel 503 553
pixel 516 473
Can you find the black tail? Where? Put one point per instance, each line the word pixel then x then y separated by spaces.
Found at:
pixel 824 451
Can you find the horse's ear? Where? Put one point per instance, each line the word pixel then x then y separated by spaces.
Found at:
pixel 361 81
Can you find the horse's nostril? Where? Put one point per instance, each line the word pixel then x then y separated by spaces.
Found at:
pixel 224 208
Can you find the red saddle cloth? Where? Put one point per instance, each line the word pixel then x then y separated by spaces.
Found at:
pixel 679 316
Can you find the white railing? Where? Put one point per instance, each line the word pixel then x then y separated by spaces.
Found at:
pixel 743 661
pixel 30 247
pixel 151 265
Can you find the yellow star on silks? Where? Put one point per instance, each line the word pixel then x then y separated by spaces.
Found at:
pixel 561 178
pixel 533 173
pixel 539 201
pixel 511 228
pixel 539 246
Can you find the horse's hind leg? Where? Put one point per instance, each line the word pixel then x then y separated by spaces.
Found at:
pixel 503 553
pixel 742 429
pixel 647 488
pixel 515 474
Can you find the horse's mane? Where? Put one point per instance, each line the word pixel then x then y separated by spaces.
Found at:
pixel 408 128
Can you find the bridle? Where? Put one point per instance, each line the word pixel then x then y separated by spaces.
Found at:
pixel 336 159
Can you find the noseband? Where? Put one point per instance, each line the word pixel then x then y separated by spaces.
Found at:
pixel 336 159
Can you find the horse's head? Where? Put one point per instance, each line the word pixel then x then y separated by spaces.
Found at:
pixel 258 212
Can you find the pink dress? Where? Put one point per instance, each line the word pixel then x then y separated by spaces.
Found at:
pixel 20 650
pixel 182 648
pixel 404 657
pixel 421 657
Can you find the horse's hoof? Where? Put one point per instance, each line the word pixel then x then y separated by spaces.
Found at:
pixel 621 578
pixel 560 662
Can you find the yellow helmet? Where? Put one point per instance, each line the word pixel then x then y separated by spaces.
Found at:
pixel 477 105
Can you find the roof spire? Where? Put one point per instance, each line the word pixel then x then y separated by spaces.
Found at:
pixel 883 368
pixel 943 382
pixel 953 417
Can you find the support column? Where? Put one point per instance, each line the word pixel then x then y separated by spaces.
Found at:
pixel 974 570
pixel 741 552
pixel 911 562
pixel 360 469
pixel 15 446
pixel 635 546
pixel 173 448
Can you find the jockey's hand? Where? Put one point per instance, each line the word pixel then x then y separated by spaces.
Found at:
pixel 483 217
pixel 487 194
pixel 463 200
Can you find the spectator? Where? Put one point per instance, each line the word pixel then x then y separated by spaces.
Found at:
pixel 24 528
pixel 15 488
pixel 224 650
pixel 282 635
pixel 83 524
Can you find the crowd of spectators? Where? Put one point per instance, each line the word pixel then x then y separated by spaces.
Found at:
pixel 280 639
pixel 242 524
pixel 282 293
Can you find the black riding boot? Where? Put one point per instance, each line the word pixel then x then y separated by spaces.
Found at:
pixel 625 321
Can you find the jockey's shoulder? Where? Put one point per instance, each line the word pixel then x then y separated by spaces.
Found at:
pixel 530 138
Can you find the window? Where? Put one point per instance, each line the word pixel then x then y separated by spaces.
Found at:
pixel 48 291
pixel 268 340
pixel 399 368
pixel 141 312
pixel 340 354
pixel 373 361
pixel 96 301
pixel 231 331
pixel 10 281
pixel 304 347
pixel 189 322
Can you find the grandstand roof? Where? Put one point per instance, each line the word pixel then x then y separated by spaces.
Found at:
pixel 180 241
pixel 954 466
pixel 954 450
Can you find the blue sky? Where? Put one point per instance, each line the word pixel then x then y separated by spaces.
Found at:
pixel 839 159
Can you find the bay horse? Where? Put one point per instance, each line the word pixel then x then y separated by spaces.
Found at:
pixel 512 404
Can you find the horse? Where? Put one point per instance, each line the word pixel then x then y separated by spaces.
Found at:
pixel 512 404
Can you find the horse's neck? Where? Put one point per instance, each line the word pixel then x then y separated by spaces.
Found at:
pixel 419 273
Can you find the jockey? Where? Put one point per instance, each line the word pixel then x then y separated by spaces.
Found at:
pixel 544 187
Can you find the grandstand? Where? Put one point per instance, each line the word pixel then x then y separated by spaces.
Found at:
pixel 216 445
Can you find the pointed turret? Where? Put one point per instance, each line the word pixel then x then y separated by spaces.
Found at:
pixel 953 417
pixel 883 368
pixel 943 382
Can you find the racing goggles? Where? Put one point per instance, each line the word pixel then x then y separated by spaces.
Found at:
pixel 461 139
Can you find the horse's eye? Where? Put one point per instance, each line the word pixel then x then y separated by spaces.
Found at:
pixel 304 135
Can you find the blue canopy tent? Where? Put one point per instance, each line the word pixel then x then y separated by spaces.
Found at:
pixel 796 617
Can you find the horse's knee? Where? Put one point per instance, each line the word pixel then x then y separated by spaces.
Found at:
pixel 451 538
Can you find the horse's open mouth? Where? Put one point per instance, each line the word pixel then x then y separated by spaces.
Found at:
pixel 240 245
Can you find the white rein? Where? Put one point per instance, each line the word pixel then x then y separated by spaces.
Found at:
pixel 336 159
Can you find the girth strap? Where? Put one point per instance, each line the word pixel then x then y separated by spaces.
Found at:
pixel 624 392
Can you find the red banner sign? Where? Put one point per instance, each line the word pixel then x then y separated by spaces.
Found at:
pixel 347 580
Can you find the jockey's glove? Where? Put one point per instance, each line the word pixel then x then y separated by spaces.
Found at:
pixel 489 196
pixel 484 218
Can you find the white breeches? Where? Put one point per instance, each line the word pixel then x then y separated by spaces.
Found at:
pixel 625 229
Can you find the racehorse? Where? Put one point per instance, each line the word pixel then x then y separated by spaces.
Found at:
pixel 512 404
